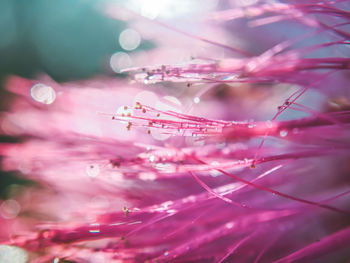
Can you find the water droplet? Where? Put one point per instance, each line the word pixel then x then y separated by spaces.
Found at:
pixel 92 170
pixel 283 133
pixel 43 94
pixel 152 158
pixel 196 100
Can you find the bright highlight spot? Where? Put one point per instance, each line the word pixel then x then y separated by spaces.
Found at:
pixel 92 170
pixel 43 94
pixel 10 254
pixel 120 61
pixel 129 39
pixel 151 8
pixel 196 100
pixel 283 133
pixel 95 228
pixel 214 173
pixel 152 158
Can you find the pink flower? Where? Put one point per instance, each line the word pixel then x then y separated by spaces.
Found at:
pixel 241 158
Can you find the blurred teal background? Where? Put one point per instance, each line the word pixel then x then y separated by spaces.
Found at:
pixel 67 39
